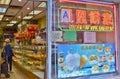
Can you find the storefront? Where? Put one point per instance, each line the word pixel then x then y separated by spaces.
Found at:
pixel 30 40
pixel 62 39
pixel 84 40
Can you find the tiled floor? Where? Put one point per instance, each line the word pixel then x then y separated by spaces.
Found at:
pixel 17 74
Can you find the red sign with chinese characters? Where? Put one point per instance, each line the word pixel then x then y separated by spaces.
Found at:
pixel 85 19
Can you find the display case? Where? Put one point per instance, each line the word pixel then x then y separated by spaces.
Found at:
pixel 31 57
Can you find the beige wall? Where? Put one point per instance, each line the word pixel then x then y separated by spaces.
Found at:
pixel 42 22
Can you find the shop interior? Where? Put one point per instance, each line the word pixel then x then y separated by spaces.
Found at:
pixel 24 23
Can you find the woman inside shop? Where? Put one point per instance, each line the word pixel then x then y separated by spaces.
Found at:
pixel 9 53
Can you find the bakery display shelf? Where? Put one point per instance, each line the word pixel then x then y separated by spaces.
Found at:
pixel 35 57
pixel 29 59
pixel 18 56
pixel 31 55
pixel 17 60
pixel 40 47
pixel 17 51
pixel 33 67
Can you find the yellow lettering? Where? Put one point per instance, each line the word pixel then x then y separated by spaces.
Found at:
pixel 86 27
pixel 91 28
pixel 111 28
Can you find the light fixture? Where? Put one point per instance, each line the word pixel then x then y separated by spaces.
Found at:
pixel 5 1
pixel 42 4
pixel 35 12
pixel 19 16
pixel 3 10
pixel 13 22
pixel 28 8
pixel 10 24
pixel 1 16
pixel 7 19
pixel 19 0
pixel 27 17
pixel 19 25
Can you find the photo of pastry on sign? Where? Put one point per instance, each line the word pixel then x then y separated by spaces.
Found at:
pixel 105 68
pixel 107 50
pixel 99 48
pixel 93 59
pixel 95 69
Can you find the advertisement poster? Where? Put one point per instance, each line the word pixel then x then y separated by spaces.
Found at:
pixel 85 59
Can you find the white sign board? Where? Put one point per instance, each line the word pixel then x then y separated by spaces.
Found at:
pixel 89 37
pixel 65 15
pixel 57 36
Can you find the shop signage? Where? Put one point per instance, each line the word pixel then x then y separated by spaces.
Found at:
pixel 85 59
pixel 85 19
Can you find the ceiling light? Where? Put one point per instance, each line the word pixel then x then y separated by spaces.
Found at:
pixel 7 19
pixel 28 8
pixel 13 22
pixel 19 16
pixel 10 24
pixel 35 12
pixel 19 0
pixel 5 1
pixel 19 25
pixel 43 4
pixel 1 16
pixel 27 17
pixel 3 10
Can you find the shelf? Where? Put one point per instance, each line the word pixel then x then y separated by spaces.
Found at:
pixel 28 58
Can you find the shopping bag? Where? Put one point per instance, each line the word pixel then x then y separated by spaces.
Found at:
pixel 3 55
pixel 1 61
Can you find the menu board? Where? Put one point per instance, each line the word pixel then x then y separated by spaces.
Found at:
pixel 85 59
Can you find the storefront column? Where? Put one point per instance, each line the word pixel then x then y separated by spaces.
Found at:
pixel 49 29
pixel 119 40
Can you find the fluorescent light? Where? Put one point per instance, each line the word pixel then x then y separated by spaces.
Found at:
pixel 13 22
pixel 10 24
pixel 5 1
pixel 19 25
pixel 24 22
pixel 28 8
pixel 43 4
pixel 3 10
pixel 19 16
pixel 35 12
pixel 7 19
pixel 19 0
pixel 1 16
pixel 27 17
